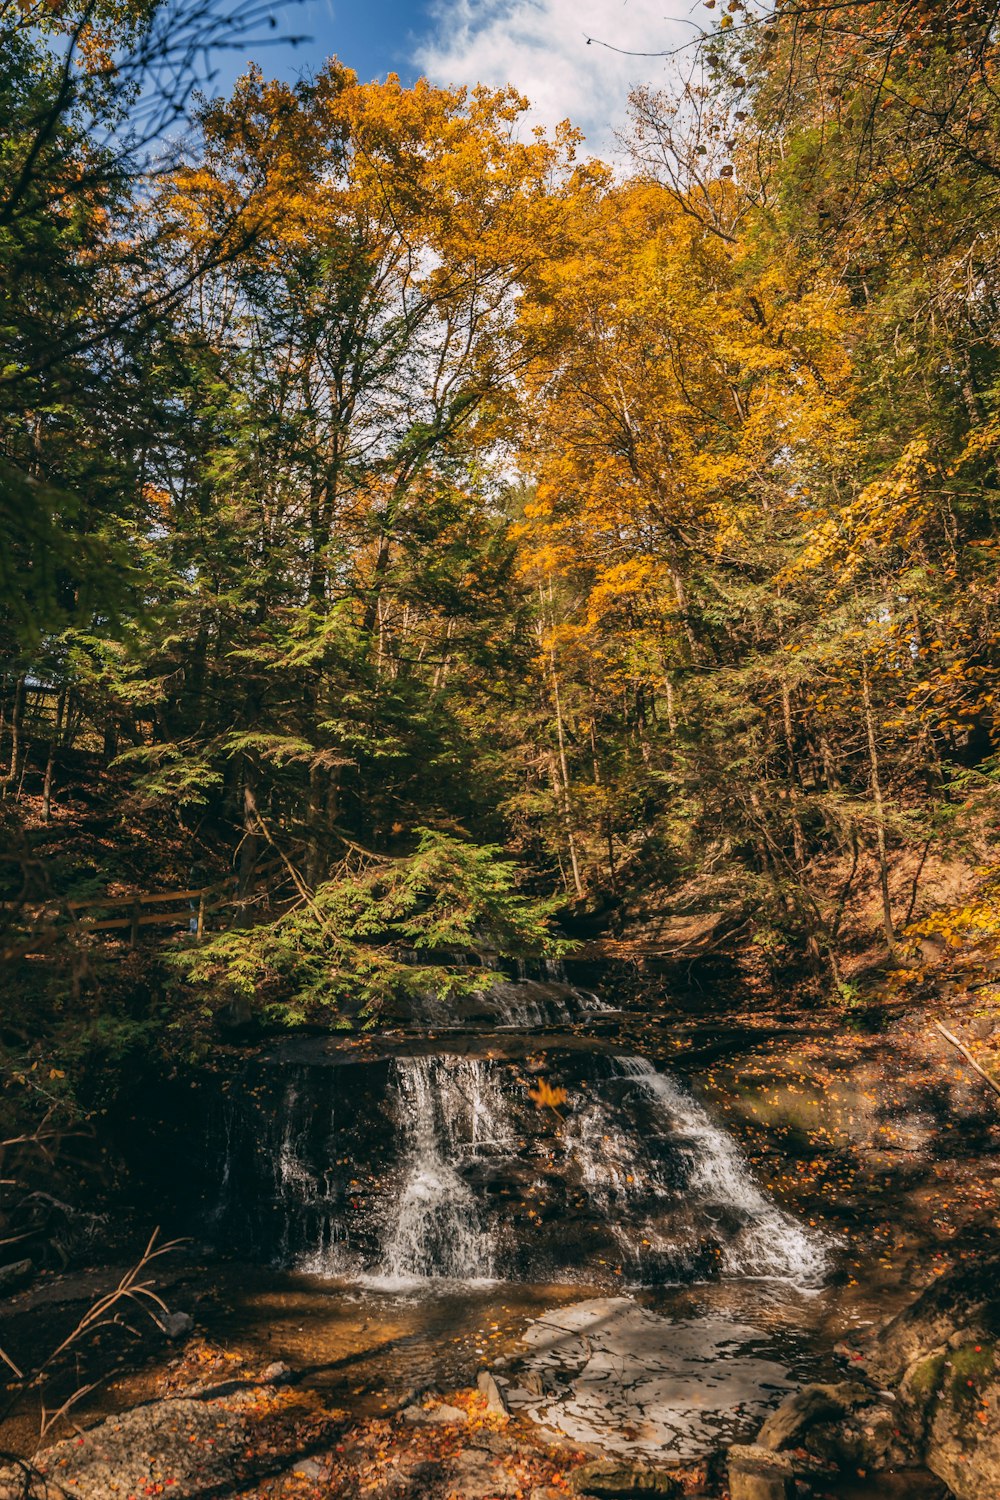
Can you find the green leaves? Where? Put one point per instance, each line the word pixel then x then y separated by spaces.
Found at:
pixel 182 773
pixel 451 894
pixel 381 930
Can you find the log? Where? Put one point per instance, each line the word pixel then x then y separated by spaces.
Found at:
pixel 950 1037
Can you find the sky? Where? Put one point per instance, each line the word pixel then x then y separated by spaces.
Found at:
pixel 538 45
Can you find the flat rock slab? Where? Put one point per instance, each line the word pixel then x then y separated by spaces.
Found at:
pixel 181 1447
pixel 442 1415
pixel 609 1373
pixel 189 1447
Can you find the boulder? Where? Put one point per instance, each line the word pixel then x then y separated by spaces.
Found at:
pixel 176 1325
pixel 757 1473
pixel 845 1425
pixel 802 1410
pixel 14 1274
pixel 496 1402
pixel 311 1468
pixel 618 1479
pixel 434 1416
pixel 952 1398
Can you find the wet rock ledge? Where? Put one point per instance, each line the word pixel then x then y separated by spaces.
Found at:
pixel 923 1400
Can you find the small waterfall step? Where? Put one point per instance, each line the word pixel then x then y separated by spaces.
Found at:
pixel 516 1004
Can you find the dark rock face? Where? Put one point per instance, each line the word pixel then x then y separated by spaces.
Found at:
pixel 450 1163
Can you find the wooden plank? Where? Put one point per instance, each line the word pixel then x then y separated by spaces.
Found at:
pixel 149 898
pixel 145 900
pixel 135 919
pixel 107 924
pixel 44 937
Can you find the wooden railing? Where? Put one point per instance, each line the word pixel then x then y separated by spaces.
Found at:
pixel 139 917
pixel 128 913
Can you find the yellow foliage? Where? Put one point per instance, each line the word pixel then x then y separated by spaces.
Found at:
pixel 547 1097
pixel 678 381
pixel 893 510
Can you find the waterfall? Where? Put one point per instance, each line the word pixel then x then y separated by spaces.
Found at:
pixel 462 1177
pixel 656 1192
pixel 531 1005
pixel 769 1242
pixel 304 1185
pixel 537 1004
pixel 515 1005
pixel 541 968
pixel 452 1111
pixel 537 996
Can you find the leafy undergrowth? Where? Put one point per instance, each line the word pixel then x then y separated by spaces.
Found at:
pixel 323 1452
pixel 486 1456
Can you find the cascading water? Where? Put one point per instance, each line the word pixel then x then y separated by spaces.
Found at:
pixel 770 1242
pixel 495 1164
pixel 464 1177
pixel 451 1111
pixel 538 996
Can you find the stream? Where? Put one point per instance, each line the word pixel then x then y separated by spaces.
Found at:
pixel 646 1255
pixel 470 1191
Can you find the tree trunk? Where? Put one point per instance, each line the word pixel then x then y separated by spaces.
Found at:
pixel 16 716
pixel 250 842
pixel 798 837
pixel 54 742
pixel 567 805
pixel 876 789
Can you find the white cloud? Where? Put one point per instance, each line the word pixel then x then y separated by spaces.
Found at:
pixel 540 46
